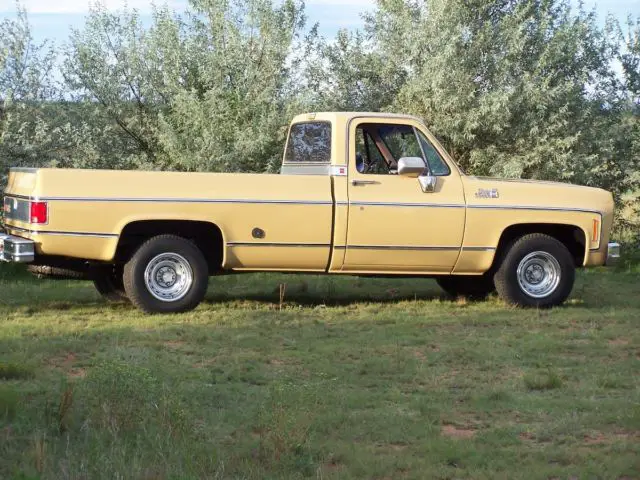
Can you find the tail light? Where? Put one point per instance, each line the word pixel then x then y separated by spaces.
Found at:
pixel 39 213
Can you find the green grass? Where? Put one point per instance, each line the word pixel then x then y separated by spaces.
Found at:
pixel 349 378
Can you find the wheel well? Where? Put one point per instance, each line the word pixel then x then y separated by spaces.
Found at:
pixel 207 237
pixel 571 236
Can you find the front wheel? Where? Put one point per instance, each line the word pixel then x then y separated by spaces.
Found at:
pixel 537 271
pixel 167 274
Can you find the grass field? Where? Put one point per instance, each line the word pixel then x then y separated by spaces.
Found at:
pixel 348 378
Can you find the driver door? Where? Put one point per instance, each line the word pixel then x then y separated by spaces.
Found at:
pixel 392 224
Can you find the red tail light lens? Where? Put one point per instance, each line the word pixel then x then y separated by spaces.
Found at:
pixel 39 212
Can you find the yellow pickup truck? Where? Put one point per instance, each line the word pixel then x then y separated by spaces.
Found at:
pixel 358 194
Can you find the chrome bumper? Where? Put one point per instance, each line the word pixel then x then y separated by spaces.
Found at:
pixel 613 253
pixel 16 249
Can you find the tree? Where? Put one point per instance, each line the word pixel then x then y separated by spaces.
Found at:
pixel 628 221
pixel 206 91
pixel 25 83
pixel 350 74
pixel 511 86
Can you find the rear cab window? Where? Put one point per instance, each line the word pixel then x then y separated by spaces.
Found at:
pixel 309 142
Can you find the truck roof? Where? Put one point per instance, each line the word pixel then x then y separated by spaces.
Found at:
pixel 346 116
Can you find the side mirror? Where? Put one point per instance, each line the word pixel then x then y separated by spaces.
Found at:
pixel 411 167
pixel 428 183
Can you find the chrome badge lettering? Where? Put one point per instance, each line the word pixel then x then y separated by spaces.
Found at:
pixel 487 193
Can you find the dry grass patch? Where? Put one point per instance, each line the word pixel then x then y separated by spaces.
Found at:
pixel 458 432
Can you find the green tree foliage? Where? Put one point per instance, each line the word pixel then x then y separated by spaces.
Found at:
pixel 349 74
pixel 24 88
pixel 629 212
pixel 513 87
pixel 208 90
pixel 40 125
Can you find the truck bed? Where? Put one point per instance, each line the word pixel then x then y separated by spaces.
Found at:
pixel 91 207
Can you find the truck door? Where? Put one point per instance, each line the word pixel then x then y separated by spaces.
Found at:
pixel 393 225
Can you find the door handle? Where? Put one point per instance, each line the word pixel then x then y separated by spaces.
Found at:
pixel 363 182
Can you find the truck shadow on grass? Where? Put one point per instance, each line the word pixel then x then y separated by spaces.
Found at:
pixel 593 290
pixel 302 294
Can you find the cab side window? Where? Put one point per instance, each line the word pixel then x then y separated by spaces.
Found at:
pixel 400 140
pixel 379 146
pixel 437 166
pixel 368 156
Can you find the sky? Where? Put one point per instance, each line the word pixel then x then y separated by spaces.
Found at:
pixel 53 19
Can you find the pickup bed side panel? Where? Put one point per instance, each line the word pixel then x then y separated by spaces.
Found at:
pixel 268 222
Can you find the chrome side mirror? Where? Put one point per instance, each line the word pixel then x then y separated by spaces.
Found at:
pixel 428 183
pixel 411 167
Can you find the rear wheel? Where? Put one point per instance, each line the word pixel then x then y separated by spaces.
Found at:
pixel 537 271
pixel 472 286
pixel 167 274
pixel 110 285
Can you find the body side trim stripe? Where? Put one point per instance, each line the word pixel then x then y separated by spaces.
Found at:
pixel 277 244
pixel 400 204
pixel 62 233
pixel 398 247
pixel 301 202
pixel 411 247
pixel 524 207
pixel 181 200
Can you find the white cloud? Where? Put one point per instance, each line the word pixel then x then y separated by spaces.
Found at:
pixel 82 6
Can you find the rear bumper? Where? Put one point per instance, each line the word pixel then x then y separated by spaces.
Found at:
pixel 16 249
pixel 613 253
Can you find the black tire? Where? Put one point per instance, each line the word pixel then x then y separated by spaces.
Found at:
pixel 507 281
pixel 110 284
pixel 172 248
pixel 470 286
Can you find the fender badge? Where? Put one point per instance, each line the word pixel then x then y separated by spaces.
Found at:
pixel 487 193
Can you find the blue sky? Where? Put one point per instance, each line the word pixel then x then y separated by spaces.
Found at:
pixel 53 18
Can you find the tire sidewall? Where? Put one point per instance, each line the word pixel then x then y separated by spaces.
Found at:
pixel 507 276
pixel 134 275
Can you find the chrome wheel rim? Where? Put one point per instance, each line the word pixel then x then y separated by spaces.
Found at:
pixel 538 274
pixel 168 277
